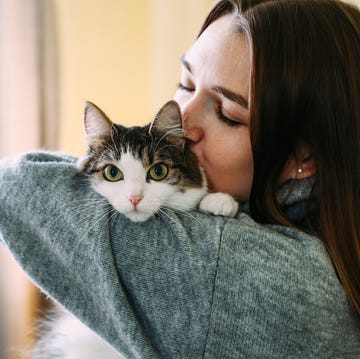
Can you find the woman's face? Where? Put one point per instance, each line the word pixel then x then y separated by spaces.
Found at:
pixel 214 98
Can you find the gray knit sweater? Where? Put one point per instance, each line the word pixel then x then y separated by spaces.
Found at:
pixel 197 286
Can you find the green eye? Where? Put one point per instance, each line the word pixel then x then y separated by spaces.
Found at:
pixel 112 174
pixel 158 172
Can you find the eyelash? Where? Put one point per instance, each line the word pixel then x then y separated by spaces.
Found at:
pixel 219 113
pixel 184 88
pixel 225 119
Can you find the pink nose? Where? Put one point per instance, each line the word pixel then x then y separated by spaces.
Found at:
pixel 135 200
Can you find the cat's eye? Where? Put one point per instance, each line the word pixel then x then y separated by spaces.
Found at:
pixel 112 173
pixel 158 172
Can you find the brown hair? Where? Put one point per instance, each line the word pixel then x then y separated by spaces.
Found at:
pixel 306 87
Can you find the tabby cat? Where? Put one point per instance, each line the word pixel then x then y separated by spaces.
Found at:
pixel 141 171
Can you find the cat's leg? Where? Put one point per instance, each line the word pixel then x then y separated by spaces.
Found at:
pixel 219 204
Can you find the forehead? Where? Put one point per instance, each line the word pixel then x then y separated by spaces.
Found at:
pixel 223 53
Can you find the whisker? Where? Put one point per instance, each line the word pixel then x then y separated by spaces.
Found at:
pixel 184 213
pixel 83 210
pixel 167 220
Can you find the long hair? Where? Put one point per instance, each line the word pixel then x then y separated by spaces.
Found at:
pixel 305 87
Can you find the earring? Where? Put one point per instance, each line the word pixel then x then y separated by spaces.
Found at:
pixel 300 170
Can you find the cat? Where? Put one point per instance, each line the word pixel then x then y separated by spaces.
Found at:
pixel 140 171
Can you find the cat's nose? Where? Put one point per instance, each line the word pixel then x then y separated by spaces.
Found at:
pixel 135 200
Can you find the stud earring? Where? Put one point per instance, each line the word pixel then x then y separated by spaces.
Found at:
pixel 300 171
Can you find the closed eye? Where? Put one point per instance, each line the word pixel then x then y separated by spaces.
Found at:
pixel 185 88
pixel 225 119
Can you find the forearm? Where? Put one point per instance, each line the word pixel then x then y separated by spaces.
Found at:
pixel 36 196
pixel 157 287
pixel 30 190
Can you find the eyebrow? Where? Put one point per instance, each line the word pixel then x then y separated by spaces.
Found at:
pixel 185 63
pixel 232 96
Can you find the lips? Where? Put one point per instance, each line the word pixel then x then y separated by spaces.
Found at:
pixel 202 162
pixel 208 179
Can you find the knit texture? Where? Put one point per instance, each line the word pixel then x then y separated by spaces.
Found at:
pixel 193 286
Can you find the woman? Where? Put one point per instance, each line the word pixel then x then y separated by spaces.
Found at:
pixel 270 98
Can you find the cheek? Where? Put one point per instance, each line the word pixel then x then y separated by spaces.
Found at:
pixel 229 152
pixel 234 164
pixel 113 192
pixel 156 194
pixel 230 168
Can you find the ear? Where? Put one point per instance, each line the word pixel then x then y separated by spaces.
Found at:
pixel 168 120
pixel 96 123
pixel 299 165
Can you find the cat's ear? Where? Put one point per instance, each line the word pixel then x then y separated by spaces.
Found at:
pixel 97 124
pixel 168 120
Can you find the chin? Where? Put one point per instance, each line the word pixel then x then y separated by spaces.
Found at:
pixel 138 216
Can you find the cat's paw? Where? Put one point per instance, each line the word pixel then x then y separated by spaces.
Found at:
pixel 218 203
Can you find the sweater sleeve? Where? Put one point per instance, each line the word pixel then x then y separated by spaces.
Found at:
pixel 145 287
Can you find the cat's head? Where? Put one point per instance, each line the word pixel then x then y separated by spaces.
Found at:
pixel 139 170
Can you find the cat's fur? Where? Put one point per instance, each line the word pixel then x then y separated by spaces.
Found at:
pixel 63 336
pixel 135 151
pixel 158 171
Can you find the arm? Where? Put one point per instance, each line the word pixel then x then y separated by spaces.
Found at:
pixel 193 286
pixel 146 288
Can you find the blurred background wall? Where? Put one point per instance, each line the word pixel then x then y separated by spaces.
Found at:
pixel 56 54
pixel 121 54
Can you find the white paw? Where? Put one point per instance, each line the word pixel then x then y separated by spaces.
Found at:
pixel 218 203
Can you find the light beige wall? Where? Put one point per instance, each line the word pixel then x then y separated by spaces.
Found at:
pixel 121 54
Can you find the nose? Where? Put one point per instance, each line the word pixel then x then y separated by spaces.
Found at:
pixel 193 113
pixel 135 199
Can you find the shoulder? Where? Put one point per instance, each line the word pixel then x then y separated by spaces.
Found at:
pixel 281 261
pixel 277 289
pixel 273 246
